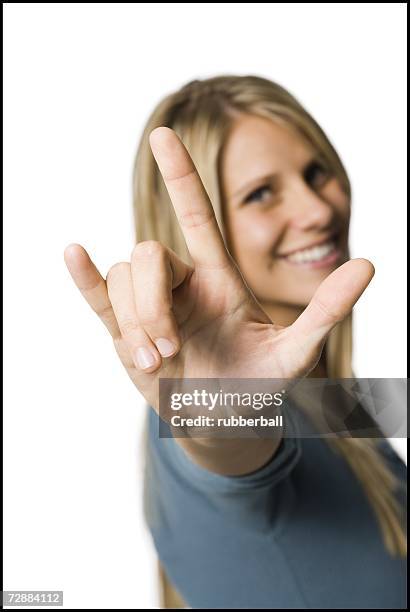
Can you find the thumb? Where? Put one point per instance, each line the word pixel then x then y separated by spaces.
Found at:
pixel 332 302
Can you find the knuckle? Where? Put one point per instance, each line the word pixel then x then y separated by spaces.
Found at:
pixel 104 312
pixel 118 268
pixel 327 312
pixel 193 219
pixel 148 248
pixel 128 326
pixel 153 314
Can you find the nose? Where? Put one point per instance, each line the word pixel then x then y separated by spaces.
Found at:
pixel 309 211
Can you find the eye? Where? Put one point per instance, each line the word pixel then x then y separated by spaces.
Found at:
pixel 317 172
pixel 255 195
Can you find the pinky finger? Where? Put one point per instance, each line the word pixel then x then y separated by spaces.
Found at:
pixel 92 286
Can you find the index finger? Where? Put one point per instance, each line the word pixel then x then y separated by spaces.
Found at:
pixel 190 200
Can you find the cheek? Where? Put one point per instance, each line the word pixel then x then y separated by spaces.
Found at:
pixel 338 198
pixel 254 237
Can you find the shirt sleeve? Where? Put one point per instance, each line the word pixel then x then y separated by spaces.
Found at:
pixel 176 460
pixel 197 516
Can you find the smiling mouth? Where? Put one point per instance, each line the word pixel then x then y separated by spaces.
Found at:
pixel 327 252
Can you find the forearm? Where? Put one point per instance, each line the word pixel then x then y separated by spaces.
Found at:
pixel 231 456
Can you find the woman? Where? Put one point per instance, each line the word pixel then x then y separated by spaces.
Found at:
pixel 242 270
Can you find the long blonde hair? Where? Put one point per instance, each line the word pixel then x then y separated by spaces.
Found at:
pixel 201 113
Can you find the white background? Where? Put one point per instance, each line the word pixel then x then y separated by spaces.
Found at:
pixel 79 83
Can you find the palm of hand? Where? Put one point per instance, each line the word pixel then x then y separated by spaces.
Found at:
pixel 222 330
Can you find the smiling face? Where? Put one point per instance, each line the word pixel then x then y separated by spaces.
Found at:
pixel 286 214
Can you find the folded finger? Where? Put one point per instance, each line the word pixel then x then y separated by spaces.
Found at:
pixel 120 290
pixel 156 271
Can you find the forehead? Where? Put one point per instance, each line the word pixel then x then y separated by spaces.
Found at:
pixel 257 146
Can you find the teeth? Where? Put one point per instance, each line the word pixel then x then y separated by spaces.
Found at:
pixel 314 254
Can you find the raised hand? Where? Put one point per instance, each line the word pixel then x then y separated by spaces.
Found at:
pixel 169 319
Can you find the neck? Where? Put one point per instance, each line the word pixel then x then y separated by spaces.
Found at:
pixel 283 314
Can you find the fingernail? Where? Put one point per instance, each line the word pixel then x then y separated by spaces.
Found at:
pixel 165 346
pixel 145 358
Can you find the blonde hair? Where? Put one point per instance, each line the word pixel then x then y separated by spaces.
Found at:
pixel 202 113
